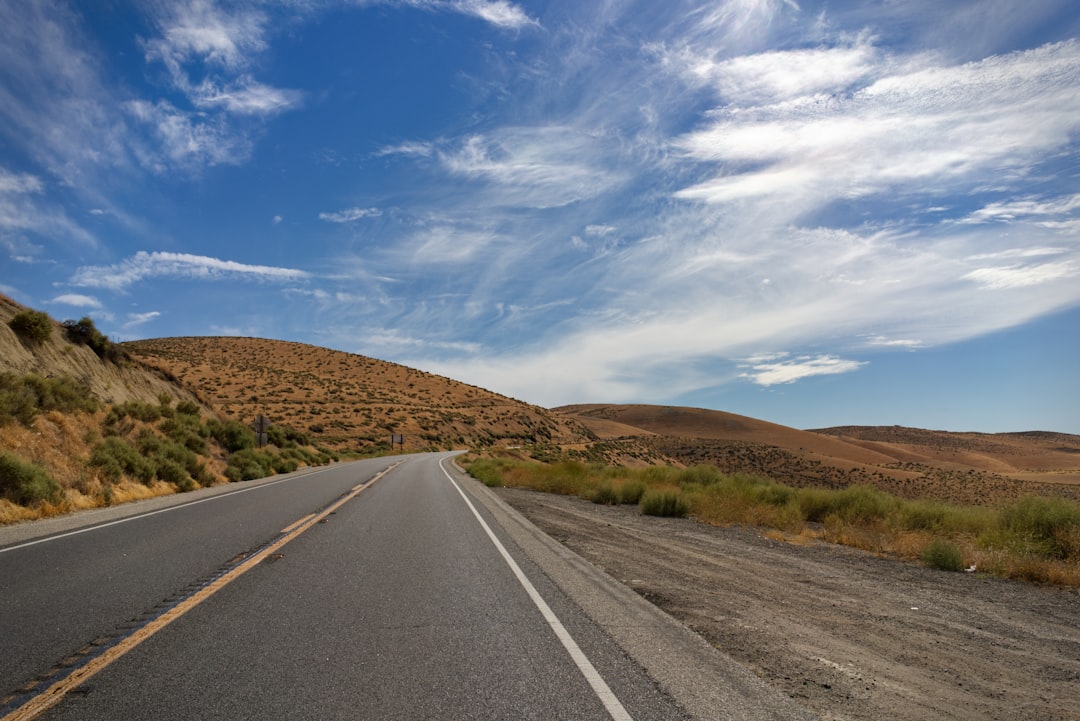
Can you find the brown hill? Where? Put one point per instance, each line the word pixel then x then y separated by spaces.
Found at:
pixel 967 467
pixel 349 402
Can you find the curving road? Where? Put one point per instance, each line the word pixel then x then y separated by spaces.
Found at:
pixel 391 588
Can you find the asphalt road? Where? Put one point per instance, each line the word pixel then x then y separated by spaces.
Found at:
pixel 399 605
pixel 392 588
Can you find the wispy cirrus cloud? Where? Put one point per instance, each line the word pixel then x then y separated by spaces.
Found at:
pixel 937 124
pixel 779 368
pixel 24 209
pixel 500 13
pixel 535 167
pixel 219 46
pixel 134 320
pixel 350 215
pixel 805 194
pixel 144 265
pixel 78 300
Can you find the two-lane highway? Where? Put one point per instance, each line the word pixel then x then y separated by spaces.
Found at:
pixel 403 603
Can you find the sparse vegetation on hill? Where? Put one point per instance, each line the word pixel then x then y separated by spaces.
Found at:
pixel 348 402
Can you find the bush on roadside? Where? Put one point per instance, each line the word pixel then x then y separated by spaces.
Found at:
pixel 943 555
pixel 630 492
pixel 249 464
pixel 114 457
pixel 1050 525
pixel 664 503
pixel 26 483
pixel 604 494
pixel 232 435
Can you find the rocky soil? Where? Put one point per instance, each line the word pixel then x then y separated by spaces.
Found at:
pixel 850 635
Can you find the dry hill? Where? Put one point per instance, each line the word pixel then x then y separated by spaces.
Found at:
pixel 112 382
pixel 349 402
pixel 965 467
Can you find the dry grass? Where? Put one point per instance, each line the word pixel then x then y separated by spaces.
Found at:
pixel 1033 539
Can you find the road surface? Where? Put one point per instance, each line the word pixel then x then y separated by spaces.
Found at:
pixel 391 588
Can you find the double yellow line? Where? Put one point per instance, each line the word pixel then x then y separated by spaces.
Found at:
pixel 49 697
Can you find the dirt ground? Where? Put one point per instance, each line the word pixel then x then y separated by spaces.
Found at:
pixel 848 634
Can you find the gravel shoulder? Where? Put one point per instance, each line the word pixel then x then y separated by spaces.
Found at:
pixel 847 634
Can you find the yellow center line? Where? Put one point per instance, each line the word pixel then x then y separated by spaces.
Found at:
pixel 293 526
pixel 52 695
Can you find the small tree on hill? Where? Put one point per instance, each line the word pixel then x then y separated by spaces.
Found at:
pixel 32 325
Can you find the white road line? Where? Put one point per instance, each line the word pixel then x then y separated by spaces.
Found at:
pixel 603 691
pixel 154 513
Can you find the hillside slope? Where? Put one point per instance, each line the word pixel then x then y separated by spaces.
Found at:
pixel 349 402
pixel 966 467
pixel 111 382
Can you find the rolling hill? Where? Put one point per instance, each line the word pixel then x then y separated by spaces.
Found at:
pixel 915 463
pixel 353 404
pixel 349 402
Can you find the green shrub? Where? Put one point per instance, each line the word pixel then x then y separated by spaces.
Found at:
pixel 145 412
pixel 84 332
pixel 489 471
pixel 170 471
pixel 604 494
pixel 700 475
pixel 815 504
pixel 26 483
pixel 23 397
pixel 944 556
pixel 116 452
pixel 1052 525
pixel 32 325
pixel 188 408
pixel 664 503
pixel 631 492
pixel 284 464
pixel 249 464
pixel 232 435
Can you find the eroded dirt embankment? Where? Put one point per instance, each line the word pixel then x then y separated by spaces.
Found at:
pixel 850 635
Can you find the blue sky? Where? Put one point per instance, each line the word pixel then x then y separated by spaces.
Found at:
pixel 815 213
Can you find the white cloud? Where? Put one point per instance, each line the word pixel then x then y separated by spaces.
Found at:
pixel 187 140
pixel 788 371
pixel 500 13
pixel 497 12
pixel 350 215
pixel 136 319
pixel 80 301
pixel 23 209
pixel 1022 276
pixel 245 96
pixel 775 76
pixel 145 265
pixel 1010 210
pixel 409 148
pixel 936 126
pixel 535 167
pixel 19 183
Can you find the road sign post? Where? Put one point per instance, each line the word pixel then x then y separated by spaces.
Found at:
pixel 261 426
